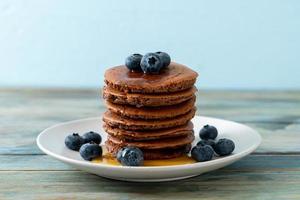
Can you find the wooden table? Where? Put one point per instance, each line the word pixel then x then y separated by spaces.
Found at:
pixel 272 172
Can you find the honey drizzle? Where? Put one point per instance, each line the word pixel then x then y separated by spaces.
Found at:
pixel 108 159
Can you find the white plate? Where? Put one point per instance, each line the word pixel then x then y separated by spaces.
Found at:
pixel 51 141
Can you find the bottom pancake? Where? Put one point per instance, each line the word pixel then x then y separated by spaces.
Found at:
pixel 153 154
pixel 154 144
pixel 149 134
pixel 154 149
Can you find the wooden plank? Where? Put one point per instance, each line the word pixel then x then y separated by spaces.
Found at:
pixel 250 163
pixel 251 106
pixel 215 185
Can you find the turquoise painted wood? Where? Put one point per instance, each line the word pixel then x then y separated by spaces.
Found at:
pixel 272 172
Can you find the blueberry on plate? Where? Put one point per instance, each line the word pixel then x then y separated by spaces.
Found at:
pixel 165 58
pixel 202 153
pixel 224 147
pixel 130 156
pixel 74 141
pixel 151 63
pixel 208 132
pixel 92 137
pixel 133 61
pixel 209 142
pixel 90 150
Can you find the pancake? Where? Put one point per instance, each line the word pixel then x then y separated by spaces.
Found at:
pixel 115 120
pixel 153 154
pixel 152 112
pixel 174 78
pixel 149 135
pixel 154 144
pixel 139 100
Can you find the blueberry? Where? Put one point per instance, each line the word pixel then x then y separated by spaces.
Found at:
pixel 133 61
pixel 74 141
pixel 92 137
pixel 208 132
pixel 90 150
pixel 165 58
pixel 151 63
pixel 202 153
pixel 130 156
pixel 224 147
pixel 206 142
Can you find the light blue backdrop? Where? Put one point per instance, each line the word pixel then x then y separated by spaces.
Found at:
pixel 232 44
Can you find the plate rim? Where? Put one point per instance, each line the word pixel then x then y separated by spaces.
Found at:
pixel 229 158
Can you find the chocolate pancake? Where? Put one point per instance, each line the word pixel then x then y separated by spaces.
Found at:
pixel 174 78
pixel 154 144
pixel 115 120
pixel 153 154
pixel 150 134
pixel 163 112
pixel 139 100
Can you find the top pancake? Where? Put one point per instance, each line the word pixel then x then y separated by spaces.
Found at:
pixel 174 78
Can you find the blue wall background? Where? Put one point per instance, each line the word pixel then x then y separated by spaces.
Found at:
pixel 232 44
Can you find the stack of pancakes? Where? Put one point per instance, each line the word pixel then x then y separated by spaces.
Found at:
pixel 150 111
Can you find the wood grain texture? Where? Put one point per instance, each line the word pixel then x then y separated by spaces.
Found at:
pixel 273 172
pixel 214 185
